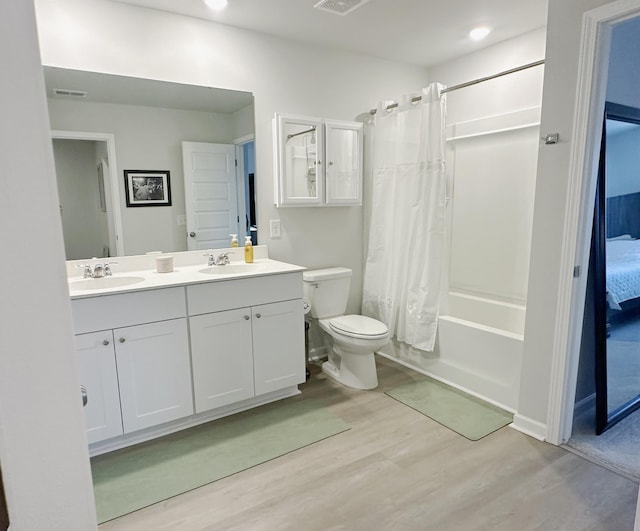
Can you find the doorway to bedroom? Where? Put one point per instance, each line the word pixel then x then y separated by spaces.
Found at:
pixel 606 423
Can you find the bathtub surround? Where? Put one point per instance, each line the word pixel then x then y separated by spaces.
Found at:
pixel 405 250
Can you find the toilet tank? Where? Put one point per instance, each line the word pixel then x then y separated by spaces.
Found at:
pixel 327 290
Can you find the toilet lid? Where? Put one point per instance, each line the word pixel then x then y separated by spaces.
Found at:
pixel 358 326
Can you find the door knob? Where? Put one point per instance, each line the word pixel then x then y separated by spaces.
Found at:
pixel 192 234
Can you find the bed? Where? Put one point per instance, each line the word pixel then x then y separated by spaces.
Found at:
pixel 623 270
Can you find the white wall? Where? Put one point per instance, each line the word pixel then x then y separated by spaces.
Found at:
pixel 623 84
pixel 284 76
pixel 623 163
pixel 559 95
pixel 43 447
pixel 149 138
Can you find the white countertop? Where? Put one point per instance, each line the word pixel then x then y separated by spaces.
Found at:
pixel 127 279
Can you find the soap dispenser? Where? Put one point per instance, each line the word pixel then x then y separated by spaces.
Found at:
pixel 248 250
pixel 234 240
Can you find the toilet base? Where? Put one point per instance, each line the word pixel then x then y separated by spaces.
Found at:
pixel 357 371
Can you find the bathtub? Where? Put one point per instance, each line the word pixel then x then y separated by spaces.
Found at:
pixel 478 349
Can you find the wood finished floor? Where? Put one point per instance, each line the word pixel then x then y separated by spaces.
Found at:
pixel 396 469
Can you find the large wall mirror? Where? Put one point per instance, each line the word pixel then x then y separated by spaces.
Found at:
pixel 103 126
pixel 616 252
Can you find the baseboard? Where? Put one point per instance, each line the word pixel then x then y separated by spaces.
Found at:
pixel 137 437
pixel 530 427
pixel 584 405
pixel 446 381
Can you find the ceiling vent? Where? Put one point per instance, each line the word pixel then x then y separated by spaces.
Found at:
pixel 69 92
pixel 340 7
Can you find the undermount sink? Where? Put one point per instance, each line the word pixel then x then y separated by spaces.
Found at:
pixel 232 269
pixel 103 283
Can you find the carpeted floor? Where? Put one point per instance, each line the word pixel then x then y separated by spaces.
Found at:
pixel 617 449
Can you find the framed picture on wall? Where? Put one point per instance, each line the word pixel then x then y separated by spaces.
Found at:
pixel 147 188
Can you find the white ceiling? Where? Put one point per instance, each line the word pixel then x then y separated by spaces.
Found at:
pixel 421 32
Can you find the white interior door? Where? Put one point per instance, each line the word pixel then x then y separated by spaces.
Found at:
pixel 210 194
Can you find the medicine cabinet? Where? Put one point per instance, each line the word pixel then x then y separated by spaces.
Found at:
pixel 318 162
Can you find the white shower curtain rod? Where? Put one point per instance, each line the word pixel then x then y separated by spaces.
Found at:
pixel 473 82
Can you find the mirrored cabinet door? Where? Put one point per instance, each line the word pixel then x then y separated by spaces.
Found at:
pixel 299 153
pixel 343 163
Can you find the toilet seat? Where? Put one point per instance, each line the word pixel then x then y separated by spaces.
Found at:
pixel 358 326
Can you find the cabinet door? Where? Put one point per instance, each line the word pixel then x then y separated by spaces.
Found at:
pixel 298 144
pixel 154 373
pixel 343 162
pixel 97 366
pixel 278 345
pixel 222 358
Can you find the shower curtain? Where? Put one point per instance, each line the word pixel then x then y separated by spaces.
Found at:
pixel 406 233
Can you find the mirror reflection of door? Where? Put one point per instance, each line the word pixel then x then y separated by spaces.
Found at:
pixel 618 257
pixel 81 169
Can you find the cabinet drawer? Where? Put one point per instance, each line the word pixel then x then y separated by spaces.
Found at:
pixel 238 293
pixel 127 309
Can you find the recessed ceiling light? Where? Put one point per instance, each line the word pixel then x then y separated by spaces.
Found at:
pixel 479 33
pixel 216 4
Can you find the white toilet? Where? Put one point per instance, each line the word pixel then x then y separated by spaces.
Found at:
pixel 351 339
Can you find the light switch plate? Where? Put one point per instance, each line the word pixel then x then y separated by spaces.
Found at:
pixel 274 228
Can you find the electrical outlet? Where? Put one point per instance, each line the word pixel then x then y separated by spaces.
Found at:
pixel 274 228
pixel 181 219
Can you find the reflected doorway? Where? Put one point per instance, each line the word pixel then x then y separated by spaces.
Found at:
pixel 616 251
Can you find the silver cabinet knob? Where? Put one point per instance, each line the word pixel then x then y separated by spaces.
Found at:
pixel 258 315
pixel 122 340
pixel 246 317
pixel 105 342
pixel 192 234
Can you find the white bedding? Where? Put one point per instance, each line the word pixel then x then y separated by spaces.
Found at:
pixel 623 271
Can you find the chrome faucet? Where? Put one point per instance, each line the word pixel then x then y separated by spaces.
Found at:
pixel 98 270
pixel 220 260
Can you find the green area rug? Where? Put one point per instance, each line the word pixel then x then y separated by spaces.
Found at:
pixel 132 478
pixel 458 411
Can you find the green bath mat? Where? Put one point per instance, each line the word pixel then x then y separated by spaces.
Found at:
pixel 132 478
pixel 458 411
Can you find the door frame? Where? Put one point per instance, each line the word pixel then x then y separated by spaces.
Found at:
pixel 242 191
pixel 576 237
pixel 114 213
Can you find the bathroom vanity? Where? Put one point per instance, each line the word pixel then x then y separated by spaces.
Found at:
pixel 160 352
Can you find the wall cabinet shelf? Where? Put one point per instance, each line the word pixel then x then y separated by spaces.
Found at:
pixel 318 162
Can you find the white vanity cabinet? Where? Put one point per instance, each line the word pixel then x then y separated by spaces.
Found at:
pixel 97 366
pixel 154 373
pixel 278 345
pixel 247 338
pixel 222 358
pixel 146 348
pixel 317 162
